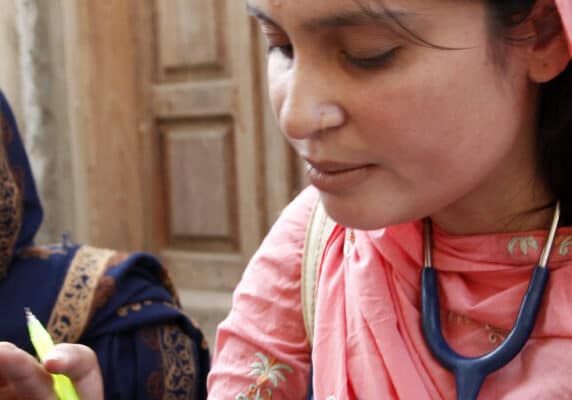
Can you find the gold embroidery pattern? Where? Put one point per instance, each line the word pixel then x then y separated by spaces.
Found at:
pixel 42 252
pixel 75 301
pixel 496 335
pixel 155 381
pixel 458 318
pixel 105 290
pixel 123 311
pixel 266 370
pixel 10 204
pixel 175 378
pixel 106 286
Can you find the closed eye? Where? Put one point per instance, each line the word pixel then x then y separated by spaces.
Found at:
pixel 373 62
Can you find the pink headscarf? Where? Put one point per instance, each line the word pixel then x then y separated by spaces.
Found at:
pixel 565 8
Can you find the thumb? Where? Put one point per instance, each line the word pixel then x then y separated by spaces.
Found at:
pixel 79 363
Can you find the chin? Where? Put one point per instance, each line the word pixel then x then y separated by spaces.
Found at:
pixel 354 215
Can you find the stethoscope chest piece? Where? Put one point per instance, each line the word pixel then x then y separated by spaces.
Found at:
pixel 470 372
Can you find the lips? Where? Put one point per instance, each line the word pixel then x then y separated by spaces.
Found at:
pixel 332 167
pixel 333 176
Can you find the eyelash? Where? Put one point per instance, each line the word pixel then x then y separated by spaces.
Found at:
pixel 377 61
pixel 373 62
pixel 287 50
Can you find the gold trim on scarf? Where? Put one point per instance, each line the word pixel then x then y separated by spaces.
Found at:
pixel 178 361
pixel 41 252
pixel 175 378
pixel 74 305
pixel 10 202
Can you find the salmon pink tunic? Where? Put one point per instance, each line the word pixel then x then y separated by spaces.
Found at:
pixel 368 342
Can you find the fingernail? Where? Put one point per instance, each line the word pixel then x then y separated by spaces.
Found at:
pixel 56 355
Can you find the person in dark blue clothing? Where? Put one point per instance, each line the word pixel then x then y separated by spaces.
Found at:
pixel 121 306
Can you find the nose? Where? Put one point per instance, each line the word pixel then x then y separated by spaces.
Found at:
pixel 309 105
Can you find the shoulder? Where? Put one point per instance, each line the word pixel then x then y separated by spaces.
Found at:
pixel 281 250
pixel 97 283
pixel 290 227
pixel 272 279
pixel 265 322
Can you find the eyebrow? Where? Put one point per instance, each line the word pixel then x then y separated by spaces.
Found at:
pixel 342 18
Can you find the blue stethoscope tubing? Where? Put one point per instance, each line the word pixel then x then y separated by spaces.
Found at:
pixel 470 372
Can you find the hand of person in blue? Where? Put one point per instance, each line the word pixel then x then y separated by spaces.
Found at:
pixel 24 377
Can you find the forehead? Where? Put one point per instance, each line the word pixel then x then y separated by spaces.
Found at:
pixel 313 15
pixel 312 8
pixel 316 13
pixel 452 23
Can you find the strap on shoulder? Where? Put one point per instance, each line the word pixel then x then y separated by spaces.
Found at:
pixel 320 227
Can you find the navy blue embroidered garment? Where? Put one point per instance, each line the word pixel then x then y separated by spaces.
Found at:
pixel 121 305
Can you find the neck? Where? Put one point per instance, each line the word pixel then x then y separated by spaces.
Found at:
pixel 513 208
pixel 487 221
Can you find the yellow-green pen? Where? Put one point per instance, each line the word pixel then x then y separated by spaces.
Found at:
pixel 43 343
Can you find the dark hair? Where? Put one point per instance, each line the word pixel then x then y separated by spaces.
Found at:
pixel 554 143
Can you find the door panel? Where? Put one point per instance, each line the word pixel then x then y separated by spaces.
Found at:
pixel 217 169
pixel 175 138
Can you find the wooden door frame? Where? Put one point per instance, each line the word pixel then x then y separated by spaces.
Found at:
pixel 102 93
pixel 111 55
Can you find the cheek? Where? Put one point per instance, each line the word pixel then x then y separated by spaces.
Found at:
pixel 435 113
pixel 277 78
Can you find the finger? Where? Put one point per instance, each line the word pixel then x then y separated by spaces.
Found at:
pixel 23 375
pixel 6 390
pixel 80 364
pixel 8 393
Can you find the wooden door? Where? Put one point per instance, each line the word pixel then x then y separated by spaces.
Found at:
pixel 216 170
pixel 175 148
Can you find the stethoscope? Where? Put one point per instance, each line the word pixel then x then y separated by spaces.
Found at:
pixel 470 372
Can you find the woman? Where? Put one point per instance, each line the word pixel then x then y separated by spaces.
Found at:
pixel 454 112
pixel 122 306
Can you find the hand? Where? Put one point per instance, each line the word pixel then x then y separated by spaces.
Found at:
pixel 23 377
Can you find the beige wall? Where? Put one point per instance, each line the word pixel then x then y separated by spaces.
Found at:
pixel 33 76
pixel 9 54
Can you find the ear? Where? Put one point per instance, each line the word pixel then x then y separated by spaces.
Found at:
pixel 565 9
pixel 548 54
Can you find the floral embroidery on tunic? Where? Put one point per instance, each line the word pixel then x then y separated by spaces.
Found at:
pixel 496 335
pixel 267 370
pixel 524 243
pixel 349 243
pixel 563 248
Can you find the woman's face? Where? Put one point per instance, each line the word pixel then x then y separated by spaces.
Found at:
pixel 394 130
